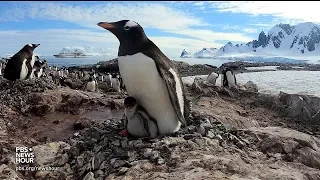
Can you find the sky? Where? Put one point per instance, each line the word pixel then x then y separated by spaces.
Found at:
pixel 171 25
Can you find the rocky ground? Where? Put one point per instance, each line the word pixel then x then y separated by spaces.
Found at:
pixel 232 134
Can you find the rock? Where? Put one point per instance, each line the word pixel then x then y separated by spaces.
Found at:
pixel 210 134
pixel 300 106
pixel 89 176
pixel 250 86
pixel 306 148
pixel 82 123
pixel 115 163
pixel 316 117
pixel 50 154
pixel 7 173
pixel 122 171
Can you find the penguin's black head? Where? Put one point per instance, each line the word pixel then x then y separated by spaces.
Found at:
pixel 129 102
pixel 30 47
pixel 128 32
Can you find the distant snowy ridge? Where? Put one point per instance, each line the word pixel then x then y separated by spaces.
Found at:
pixel 90 51
pixel 185 54
pixel 283 40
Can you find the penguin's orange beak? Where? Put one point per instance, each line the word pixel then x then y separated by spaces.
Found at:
pixel 106 25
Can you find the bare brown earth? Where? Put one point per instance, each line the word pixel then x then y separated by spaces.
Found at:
pixel 232 134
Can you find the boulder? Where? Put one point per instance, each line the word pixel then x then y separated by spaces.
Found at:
pixel 305 107
pixel 250 86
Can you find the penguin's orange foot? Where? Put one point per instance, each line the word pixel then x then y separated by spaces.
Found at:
pixel 124 132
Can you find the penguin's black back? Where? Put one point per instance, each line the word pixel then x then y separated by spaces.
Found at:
pixel 14 64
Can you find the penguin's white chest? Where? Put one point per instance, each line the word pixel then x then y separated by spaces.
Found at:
pixel 142 80
pixel 231 79
pixel 24 70
pixel 91 86
pixel 32 73
pixel 115 84
pixel 33 59
pixel 212 78
pixel 40 72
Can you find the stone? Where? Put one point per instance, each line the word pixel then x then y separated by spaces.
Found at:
pixel 50 153
pixel 250 86
pixel 89 176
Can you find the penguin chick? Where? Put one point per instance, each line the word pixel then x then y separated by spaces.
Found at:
pixel 138 123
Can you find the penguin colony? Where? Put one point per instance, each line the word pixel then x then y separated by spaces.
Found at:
pixel 147 75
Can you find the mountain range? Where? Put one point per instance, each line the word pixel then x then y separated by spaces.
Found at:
pixel 282 40
pixel 89 51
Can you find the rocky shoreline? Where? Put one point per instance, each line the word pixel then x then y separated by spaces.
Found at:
pixel 205 69
pixel 232 134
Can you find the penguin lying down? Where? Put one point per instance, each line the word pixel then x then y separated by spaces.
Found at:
pixel 138 123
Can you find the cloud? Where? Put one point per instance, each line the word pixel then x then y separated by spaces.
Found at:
pixel 295 11
pixel 198 3
pixel 208 35
pixel 228 27
pixel 53 40
pixel 250 30
pixel 149 15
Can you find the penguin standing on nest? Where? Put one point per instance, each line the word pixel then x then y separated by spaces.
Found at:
pixel 228 78
pixel 150 76
pixel 91 84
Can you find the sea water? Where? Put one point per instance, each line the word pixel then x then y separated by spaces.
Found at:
pixel 301 82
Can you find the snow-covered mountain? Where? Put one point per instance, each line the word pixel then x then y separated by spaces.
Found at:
pixel 90 51
pixel 206 53
pixel 301 40
pixel 185 54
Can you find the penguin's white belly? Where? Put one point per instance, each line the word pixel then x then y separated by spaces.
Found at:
pixel 212 78
pixel 231 80
pixel 32 74
pixel 115 84
pixel 40 72
pixel 91 86
pixel 108 80
pixel 33 59
pixel 24 70
pixel 143 82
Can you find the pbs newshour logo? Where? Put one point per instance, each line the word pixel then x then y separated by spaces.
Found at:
pixel 24 155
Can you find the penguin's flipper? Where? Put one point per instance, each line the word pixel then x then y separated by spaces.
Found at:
pixel 144 114
pixel 145 124
pixel 169 73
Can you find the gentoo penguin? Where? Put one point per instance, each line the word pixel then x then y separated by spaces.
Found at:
pixel 228 79
pixel 212 78
pixel 150 76
pixel 91 84
pixel 38 68
pixel 138 123
pixel 115 83
pixel 30 65
pixel 101 77
pixel 19 66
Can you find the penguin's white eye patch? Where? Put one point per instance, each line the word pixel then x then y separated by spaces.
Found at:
pixel 130 24
pixel 30 45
